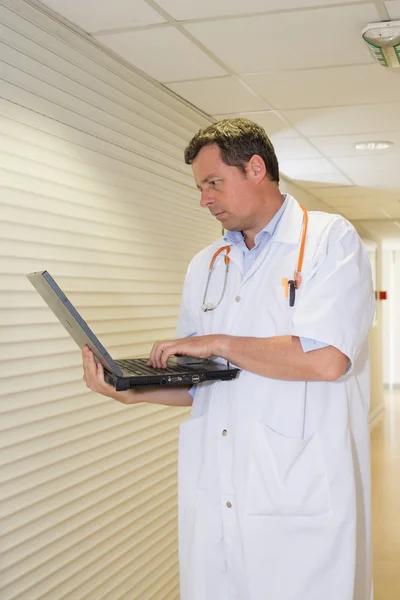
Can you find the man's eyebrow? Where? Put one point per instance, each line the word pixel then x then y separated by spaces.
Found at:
pixel 207 179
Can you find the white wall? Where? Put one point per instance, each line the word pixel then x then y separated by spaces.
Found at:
pixel 94 189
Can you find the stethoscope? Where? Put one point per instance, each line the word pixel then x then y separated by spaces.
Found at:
pixel 289 285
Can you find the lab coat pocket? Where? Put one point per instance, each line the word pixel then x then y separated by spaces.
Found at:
pixel 287 476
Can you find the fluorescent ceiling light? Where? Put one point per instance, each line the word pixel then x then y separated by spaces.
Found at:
pixel 373 145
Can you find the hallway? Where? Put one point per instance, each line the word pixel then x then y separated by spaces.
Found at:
pixel 385 458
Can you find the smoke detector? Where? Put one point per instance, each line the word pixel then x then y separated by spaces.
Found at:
pixel 383 41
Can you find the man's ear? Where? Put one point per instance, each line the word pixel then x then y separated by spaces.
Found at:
pixel 256 168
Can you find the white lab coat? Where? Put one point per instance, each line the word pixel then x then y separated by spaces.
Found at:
pixel 274 483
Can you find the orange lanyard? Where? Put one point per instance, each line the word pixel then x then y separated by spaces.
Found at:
pixel 290 286
pixel 297 273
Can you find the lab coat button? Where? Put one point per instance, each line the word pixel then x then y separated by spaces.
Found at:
pixel 229 504
pixel 224 432
pixel 238 298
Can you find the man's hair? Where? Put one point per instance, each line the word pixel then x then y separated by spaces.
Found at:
pixel 238 140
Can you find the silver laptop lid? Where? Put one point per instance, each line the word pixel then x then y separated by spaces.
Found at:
pixel 69 317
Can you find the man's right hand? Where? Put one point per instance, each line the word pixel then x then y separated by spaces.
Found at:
pixel 93 376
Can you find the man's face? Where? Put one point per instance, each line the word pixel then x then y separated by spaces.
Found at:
pixel 227 193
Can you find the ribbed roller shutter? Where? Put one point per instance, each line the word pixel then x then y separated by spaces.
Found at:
pixel 93 189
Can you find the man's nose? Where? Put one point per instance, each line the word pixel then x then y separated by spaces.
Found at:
pixel 206 198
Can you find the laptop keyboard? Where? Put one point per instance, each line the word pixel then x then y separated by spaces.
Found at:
pixel 138 366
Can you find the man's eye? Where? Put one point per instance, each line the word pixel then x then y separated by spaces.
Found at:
pixel 214 182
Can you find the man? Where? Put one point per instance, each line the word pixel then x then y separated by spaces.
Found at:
pixel 273 466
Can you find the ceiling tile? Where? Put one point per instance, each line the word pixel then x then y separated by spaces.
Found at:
pixel 393 8
pixel 368 118
pixel 345 191
pixel 378 204
pixel 273 124
pixel 292 40
pixel 350 193
pixel 362 213
pixel 320 180
pixel 217 96
pixel 294 149
pixel 210 8
pixel 343 145
pixel 92 15
pixel 327 87
pixel 163 53
pixel 379 171
pixel 343 203
pixel 317 166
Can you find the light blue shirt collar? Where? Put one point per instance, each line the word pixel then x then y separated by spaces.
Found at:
pixel 262 237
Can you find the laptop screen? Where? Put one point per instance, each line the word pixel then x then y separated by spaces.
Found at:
pixel 71 320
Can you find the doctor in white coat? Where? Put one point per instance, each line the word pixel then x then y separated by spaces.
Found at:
pixel 274 469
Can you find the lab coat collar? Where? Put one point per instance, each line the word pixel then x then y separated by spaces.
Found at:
pixel 290 226
pixel 288 232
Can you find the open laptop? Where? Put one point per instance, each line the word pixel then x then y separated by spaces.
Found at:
pixel 129 372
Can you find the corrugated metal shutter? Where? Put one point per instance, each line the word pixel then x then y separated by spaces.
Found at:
pixel 94 189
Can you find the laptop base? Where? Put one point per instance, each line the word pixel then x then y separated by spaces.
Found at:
pixel 183 376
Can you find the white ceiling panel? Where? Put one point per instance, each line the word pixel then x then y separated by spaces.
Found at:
pixel 361 203
pixel 375 171
pixel 273 124
pixel 275 127
pixel 92 15
pixel 321 180
pixel 296 168
pixel 164 53
pixel 362 213
pixel 366 212
pixel 217 96
pixel 336 86
pixel 393 8
pixel 368 118
pixel 345 191
pixel 294 149
pixel 292 40
pixel 378 204
pixel 349 193
pixel 343 145
pixel 181 9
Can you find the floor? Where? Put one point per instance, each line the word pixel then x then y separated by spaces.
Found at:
pixel 385 457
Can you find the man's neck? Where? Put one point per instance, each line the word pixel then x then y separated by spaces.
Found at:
pixel 249 235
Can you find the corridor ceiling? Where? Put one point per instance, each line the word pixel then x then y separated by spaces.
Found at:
pixel 298 67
